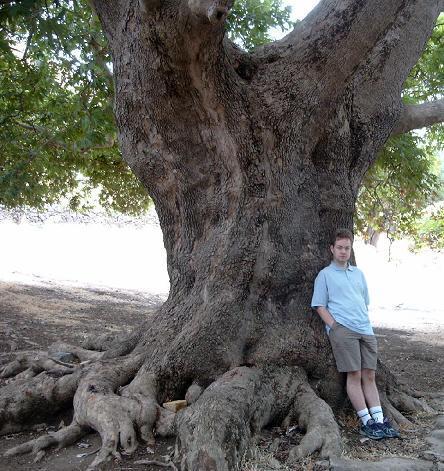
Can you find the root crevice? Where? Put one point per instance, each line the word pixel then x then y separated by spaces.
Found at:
pixel 215 432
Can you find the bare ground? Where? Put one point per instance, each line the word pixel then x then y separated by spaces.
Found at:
pixel 34 316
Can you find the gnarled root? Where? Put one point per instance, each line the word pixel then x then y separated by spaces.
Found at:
pixel 103 401
pixel 28 365
pixel 98 405
pixel 61 438
pixel 112 345
pixel 41 384
pixel 215 432
pixel 34 399
pixel 316 417
pixel 407 403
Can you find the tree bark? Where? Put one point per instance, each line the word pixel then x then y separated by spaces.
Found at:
pixel 420 116
pixel 252 161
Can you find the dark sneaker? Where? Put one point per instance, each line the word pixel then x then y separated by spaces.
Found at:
pixel 387 428
pixel 372 430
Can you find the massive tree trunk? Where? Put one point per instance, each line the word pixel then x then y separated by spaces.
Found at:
pixel 252 161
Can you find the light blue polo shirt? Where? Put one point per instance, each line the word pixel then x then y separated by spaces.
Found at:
pixel 344 292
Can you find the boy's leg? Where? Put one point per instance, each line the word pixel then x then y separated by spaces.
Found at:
pixel 369 388
pixel 371 394
pixel 368 374
pixel 369 358
pixel 347 352
pixel 369 428
pixel 354 390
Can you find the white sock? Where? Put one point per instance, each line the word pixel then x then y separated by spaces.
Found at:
pixel 364 416
pixel 377 414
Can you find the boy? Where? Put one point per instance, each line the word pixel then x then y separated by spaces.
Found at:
pixel 341 298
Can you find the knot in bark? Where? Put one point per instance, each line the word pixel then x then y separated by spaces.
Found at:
pixel 215 11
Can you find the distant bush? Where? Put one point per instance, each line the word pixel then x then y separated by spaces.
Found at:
pixel 430 231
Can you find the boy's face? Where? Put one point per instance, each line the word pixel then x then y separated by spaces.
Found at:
pixel 341 251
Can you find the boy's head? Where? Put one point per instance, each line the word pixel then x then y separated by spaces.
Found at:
pixel 341 246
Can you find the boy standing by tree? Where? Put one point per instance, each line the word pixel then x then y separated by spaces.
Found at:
pixel 341 298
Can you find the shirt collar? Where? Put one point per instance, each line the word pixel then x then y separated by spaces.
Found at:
pixel 333 265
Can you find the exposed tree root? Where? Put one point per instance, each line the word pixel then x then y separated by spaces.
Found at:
pixel 216 431
pixel 118 398
pixel 157 463
pixel 81 353
pixel 29 401
pixel 112 345
pixel 389 410
pixel 30 364
pixel 406 403
pixel 123 345
pixel 61 438
pixel 21 363
pixel 99 343
pixel 316 417
pixel 98 405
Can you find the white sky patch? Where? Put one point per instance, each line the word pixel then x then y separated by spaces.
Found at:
pixel 299 10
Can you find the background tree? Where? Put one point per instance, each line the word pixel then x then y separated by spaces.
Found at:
pixel 430 229
pixel 407 175
pixel 397 189
pixel 252 159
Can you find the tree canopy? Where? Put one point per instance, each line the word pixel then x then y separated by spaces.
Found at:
pixel 58 137
pixel 57 133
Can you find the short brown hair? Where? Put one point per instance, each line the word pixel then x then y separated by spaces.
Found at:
pixel 342 233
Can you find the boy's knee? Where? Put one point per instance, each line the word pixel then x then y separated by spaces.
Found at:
pixel 368 375
pixel 354 376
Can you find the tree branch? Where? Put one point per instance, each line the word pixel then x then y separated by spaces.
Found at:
pixel 335 38
pixel 213 11
pixel 325 50
pixel 419 116
pixel 52 141
pixel 110 13
pixel 378 82
pixel 100 59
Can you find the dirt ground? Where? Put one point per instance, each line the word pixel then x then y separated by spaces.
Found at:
pixel 34 316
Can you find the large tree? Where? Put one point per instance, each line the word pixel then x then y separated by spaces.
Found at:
pixel 252 160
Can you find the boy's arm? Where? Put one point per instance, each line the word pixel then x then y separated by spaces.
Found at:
pixel 326 316
pixel 320 299
pixel 366 296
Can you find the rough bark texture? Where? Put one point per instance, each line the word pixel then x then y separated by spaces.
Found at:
pixel 252 161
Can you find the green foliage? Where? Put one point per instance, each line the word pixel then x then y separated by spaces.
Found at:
pixel 426 80
pixel 58 137
pixel 250 21
pixel 57 132
pixel 397 188
pixel 430 230
pixel 407 176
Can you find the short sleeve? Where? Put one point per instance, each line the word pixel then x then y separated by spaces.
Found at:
pixel 320 292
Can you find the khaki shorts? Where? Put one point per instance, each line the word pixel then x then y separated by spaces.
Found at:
pixel 353 351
